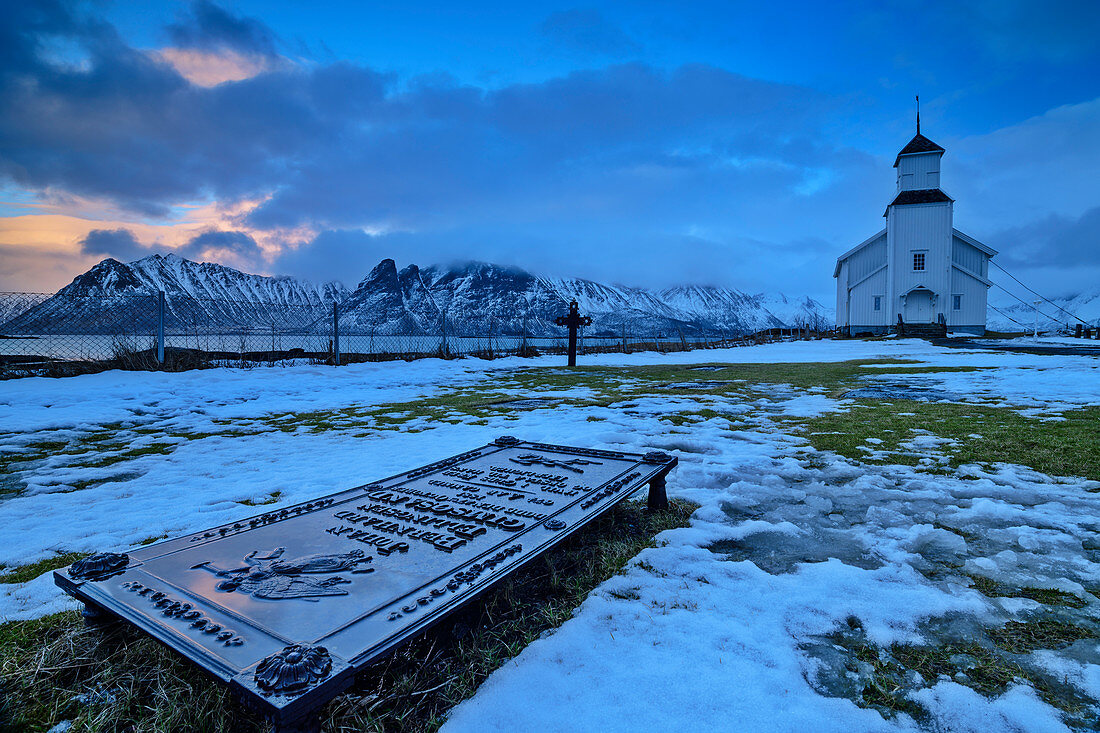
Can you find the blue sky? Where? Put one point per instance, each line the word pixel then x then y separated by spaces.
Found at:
pixel 741 144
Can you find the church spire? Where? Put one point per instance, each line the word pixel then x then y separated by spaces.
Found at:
pixel 918 114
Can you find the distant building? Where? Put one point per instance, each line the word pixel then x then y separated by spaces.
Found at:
pixel 919 267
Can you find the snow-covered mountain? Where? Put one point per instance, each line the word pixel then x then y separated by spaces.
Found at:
pixel 1059 316
pixel 116 297
pixel 472 298
pixel 476 298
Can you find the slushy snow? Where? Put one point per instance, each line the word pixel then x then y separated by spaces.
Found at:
pixel 707 630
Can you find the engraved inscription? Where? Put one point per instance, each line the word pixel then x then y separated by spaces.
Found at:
pixel 438 540
pixel 262 520
pixel 466 577
pixel 175 608
pixel 474 503
pixel 531 459
pixel 608 490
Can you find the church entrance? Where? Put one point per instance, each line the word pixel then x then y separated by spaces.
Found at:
pixel 918 307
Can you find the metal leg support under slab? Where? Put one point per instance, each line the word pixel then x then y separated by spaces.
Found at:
pixel 308 724
pixel 95 617
pixel 658 499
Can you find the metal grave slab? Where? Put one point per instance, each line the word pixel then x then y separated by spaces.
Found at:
pixel 286 607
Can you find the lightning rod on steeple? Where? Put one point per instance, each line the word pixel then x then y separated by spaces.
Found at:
pixel 918 114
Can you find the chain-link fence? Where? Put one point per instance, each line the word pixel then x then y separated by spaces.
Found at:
pixel 63 334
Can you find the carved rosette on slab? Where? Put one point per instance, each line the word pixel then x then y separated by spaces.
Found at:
pixel 99 566
pixel 293 670
pixel 656 456
pixel 506 440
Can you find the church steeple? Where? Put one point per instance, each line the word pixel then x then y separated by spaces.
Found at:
pixel 918 166
pixel 917 146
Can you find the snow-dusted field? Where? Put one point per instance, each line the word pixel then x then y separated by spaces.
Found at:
pixel 722 626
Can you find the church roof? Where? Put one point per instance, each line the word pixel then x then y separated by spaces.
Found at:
pixel 919 144
pixel 921 196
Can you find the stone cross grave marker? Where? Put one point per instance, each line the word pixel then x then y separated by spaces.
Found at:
pixel 572 321
pixel 286 607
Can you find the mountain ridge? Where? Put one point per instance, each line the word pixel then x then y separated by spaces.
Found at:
pixel 471 298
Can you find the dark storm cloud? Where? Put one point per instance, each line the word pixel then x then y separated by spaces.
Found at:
pixel 239 244
pixel 587 31
pixel 1053 241
pixel 122 245
pixel 206 26
pixel 345 255
pixel 343 147
pixel 117 243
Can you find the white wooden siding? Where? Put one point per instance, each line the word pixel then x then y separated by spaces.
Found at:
pixel 921 227
pixel 842 295
pixel 917 172
pixel 867 260
pixel 968 257
pixel 863 311
pixel 973 294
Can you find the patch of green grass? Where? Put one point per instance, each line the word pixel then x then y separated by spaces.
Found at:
pixel 45 663
pixel 983 668
pixel 271 498
pixel 1046 596
pixel 25 573
pixel 1069 447
pixel 1022 637
pixel 146 450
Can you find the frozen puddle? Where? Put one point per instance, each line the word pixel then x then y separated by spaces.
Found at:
pixel 902 392
pixel 532 403
pixel 778 553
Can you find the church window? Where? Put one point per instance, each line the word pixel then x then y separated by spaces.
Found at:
pixel 956 302
pixel 918 262
pixel 878 302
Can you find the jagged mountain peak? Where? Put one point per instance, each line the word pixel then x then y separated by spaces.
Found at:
pixel 470 298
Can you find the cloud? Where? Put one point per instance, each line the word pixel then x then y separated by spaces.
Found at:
pixel 117 243
pixel 1056 30
pixel 345 255
pixel 1053 241
pixel 588 32
pixel 208 69
pixel 625 172
pixel 233 248
pixel 209 27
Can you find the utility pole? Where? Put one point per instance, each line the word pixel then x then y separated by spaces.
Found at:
pixel 1037 302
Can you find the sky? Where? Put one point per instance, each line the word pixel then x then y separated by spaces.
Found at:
pixel 644 143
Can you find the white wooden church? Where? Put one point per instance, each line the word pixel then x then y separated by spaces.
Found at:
pixel 919 269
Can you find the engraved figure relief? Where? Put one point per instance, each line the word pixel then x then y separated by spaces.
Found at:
pixel 531 459
pixel 270 576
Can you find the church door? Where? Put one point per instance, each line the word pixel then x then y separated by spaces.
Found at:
pixel 918 307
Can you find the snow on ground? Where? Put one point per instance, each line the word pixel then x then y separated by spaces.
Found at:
pixel 721 625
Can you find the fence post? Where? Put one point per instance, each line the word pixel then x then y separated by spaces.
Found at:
pixel 336 333
pixel 160 327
